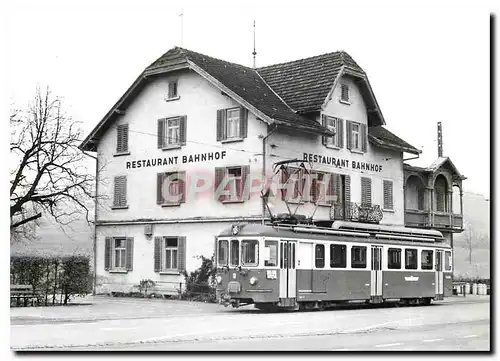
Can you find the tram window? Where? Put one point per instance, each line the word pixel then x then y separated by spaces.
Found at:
pixel 394 258
pixel 235 252
pixel 320 256
pixel 223 253
pixel 358 257
pixel 273 254
pixel 250 252
pixel 337 256
pixel 447 261
pixel 427 259
pixel 411 259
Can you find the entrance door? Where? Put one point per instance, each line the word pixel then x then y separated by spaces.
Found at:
pixel 288 273
pixel 439 274
pixel 376 274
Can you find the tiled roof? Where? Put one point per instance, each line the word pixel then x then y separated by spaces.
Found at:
pixel 245 82
pixel 304 84
pixel 384 138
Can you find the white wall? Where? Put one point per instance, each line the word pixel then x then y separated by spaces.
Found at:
pixel 199 101
pixel 288 144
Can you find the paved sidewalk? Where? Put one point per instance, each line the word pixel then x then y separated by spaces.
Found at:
pixel 94 308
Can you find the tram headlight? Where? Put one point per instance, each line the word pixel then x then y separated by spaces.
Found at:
pixel 218 278
pixel 253 281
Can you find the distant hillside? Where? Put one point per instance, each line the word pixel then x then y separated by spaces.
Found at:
pixel 476 218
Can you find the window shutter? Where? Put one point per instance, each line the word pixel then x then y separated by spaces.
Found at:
pixel 243 122
pixel 323 122
pixel 182 186
pixel 171 90
pixel 349 134
pixel 130 253
pixel 219 177
pixel 347 179
pixel 120 192
pixel 284 178
pixel 388 203
pixel 159 185
pixel 107 253
pixel 340 133
pixel 215 251
pixel 363 137
pixel 315 183
pixel 330 190
pixel 366 191
pixel 157 254
pixel 245 171
pixel 183 129
pixel 122 138
pixel 337 187
pixel 181 254
pixel 221 122
pixel 161 126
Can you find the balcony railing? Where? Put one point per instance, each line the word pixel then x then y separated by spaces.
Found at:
pixel 357 212
pixel 426 219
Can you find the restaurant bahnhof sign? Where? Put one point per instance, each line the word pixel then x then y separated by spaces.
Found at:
pixel 204 157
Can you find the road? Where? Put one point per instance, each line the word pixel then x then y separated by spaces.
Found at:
pixel 453 325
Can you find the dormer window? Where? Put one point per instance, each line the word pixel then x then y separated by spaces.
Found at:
pixel 344 93
pixel 172 91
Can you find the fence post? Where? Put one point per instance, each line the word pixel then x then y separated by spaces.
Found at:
pixel 180 290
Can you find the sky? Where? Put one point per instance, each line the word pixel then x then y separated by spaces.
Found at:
pixel 426 61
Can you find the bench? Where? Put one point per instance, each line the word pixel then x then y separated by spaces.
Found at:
pixel 24 293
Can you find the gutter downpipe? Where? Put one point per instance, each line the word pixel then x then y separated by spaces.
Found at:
pixel 264 139
pixel 94 243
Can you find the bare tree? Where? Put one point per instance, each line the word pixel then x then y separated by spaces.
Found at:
pixel 48 174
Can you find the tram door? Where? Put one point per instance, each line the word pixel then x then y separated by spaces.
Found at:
pixel 288 272
pixel 376 274
pixel 439 273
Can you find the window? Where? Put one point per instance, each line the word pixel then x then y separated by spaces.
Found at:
pixel 170 254
pixel 440 200
pixel 249 252
pixel 172 132
pixel 172 90
pixel 120 192
pixel 394 258
pixel 122 138
pixel 337 256
pixel 366 191
pixel 222 255
pixel 232 124
pixel 447 261
pixel 344 93
pixel 356 136
pixel 171 188
pixel 358 257
pixel 293 185
pixel 388 203
pixel 273 254
pixel 335 125
pixel 411 259
pixel 118 253
pixel 320 256
pixel 235 252
pixel 427 260
pixel 230 183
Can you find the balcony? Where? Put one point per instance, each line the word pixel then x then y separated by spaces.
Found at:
pixel 433 219
pixel 357 212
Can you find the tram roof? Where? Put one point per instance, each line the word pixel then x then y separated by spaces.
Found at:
pixel 326 234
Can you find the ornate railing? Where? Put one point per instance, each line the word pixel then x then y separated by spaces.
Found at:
pixel 357 212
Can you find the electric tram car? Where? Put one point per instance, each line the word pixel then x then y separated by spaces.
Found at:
pixel 294 266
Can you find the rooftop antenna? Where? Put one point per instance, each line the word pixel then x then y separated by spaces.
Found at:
pixel 182 26
pixel 254 52
pixel 440 140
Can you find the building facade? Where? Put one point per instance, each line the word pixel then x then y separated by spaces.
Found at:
pixel 192 145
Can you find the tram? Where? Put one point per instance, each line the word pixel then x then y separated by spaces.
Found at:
pixel 299 266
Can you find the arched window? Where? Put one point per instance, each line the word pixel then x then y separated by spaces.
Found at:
pixel 440 192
